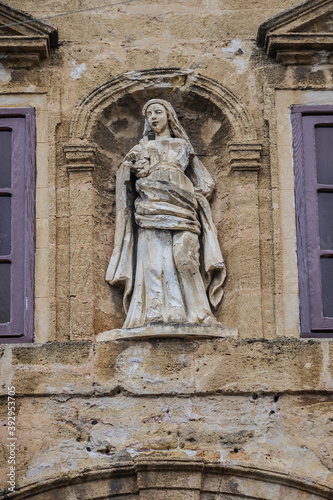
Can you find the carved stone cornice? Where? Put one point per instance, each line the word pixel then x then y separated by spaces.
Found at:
pixel 300 35
pixel 80 157
pixel 244 156
pixel 24 40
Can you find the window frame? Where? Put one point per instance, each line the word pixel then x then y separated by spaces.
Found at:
pixel 304 120
pixel 22 121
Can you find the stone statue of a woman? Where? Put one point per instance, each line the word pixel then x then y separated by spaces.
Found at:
pixel 166 252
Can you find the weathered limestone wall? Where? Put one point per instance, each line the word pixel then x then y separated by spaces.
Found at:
pixel 248 403
pixel 217 419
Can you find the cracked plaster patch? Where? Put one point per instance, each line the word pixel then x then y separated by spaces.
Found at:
pixel 239 54
pixel 78 70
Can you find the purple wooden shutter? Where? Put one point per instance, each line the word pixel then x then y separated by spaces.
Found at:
pixel 313 159
pixel 17 224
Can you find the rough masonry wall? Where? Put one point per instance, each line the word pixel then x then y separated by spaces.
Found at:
pixel 239 403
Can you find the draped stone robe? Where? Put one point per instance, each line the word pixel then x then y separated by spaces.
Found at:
pixel 173 269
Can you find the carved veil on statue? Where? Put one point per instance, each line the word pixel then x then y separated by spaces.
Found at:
pixel 166 252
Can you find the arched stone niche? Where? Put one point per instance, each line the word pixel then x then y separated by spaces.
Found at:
pixel 90 108
pixel 106 124
pixel 175 479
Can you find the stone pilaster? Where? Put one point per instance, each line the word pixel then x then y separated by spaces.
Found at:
pixel 245 255
pixel 80 165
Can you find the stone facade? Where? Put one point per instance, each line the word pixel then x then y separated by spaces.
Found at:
pixel 167 418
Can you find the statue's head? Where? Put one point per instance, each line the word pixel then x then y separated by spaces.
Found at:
pixel 157 117
pixel 163 114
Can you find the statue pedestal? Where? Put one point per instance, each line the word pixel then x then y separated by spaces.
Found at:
pixel 167 330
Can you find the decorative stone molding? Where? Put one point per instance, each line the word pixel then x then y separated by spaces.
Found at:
pixel 300 35
pixel 80 158
pixel 150 478
pixel 24 40
pixel 244 156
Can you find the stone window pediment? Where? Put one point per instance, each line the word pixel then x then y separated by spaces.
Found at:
pixel 24 40
pixel 300 35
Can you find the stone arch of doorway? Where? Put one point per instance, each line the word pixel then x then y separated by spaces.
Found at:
pixel 179 479
pixel 241 153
